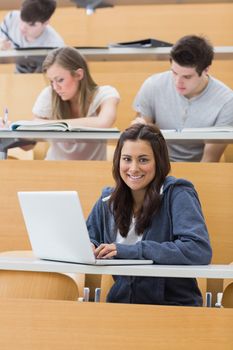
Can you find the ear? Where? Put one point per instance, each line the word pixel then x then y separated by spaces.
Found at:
pixel 79 73
pixel 206 70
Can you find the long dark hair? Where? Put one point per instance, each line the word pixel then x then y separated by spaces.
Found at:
pixel 121 200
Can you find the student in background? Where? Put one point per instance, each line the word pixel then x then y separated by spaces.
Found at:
pixel 30 28
pixel 73 95
pixel 149 215
pixel 187 97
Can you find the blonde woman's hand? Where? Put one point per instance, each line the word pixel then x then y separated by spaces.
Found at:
pixel 4 124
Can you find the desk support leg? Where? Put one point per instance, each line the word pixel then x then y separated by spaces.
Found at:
pixel 3 155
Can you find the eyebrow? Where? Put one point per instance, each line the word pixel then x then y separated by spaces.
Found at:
pixel 183 75
pixel 54 78
pixel 141 155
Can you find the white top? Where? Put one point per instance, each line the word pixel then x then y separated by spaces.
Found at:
pixel 74 150
pixel 131 238
pixel 10 31
pixel 159 99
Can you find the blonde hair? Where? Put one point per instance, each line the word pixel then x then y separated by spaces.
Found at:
pixel 70 59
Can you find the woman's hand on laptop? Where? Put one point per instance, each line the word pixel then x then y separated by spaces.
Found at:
pixel 105 251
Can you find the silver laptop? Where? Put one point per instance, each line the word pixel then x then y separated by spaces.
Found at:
pixel 57 229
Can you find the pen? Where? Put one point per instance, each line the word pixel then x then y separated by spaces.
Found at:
pixel 5 117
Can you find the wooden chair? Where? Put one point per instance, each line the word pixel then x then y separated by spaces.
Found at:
pixel 202 284
pixel 105 285
pixel 23 284
pixel 37 285
pixel 228 154
pixel 227 298
pixel 104 282
pixel 18 153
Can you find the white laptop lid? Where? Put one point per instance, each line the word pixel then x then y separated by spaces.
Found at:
pixel 57 228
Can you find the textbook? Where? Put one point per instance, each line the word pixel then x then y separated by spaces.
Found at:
pixel 60 125
pixel 35 48
pixel 224 128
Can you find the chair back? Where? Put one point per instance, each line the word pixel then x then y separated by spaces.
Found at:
pixel 37 285
pixel 106 284
pixel 227 298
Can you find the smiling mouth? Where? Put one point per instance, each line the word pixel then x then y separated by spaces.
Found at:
pixel 135 177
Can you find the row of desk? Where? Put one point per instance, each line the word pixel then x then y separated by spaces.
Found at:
pixel 108 54
pixel 9 139
pixel 26 261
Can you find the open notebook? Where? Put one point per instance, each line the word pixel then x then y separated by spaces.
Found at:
pixel 56 125
pixel 57 228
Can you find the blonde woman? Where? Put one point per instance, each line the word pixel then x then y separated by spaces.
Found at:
pixel 73 95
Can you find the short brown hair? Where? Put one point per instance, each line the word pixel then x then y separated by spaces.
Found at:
pixel 193 51
pixel 33 11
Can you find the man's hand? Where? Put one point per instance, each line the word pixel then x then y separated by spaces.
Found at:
pixel 213 152
pixel 5 44
pixel 138 120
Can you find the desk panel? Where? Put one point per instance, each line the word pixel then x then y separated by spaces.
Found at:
pixel 41 324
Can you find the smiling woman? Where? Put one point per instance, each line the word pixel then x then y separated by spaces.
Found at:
pixel 73 95
pixel 149 215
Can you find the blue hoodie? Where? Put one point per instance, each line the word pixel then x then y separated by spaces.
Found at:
pixel 177 236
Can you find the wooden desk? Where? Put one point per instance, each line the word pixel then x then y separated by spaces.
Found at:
pixel 42 324
pixel 27 262
pixel 108 54
pixel 9 139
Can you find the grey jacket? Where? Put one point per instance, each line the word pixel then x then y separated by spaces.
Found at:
pixel 177 236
